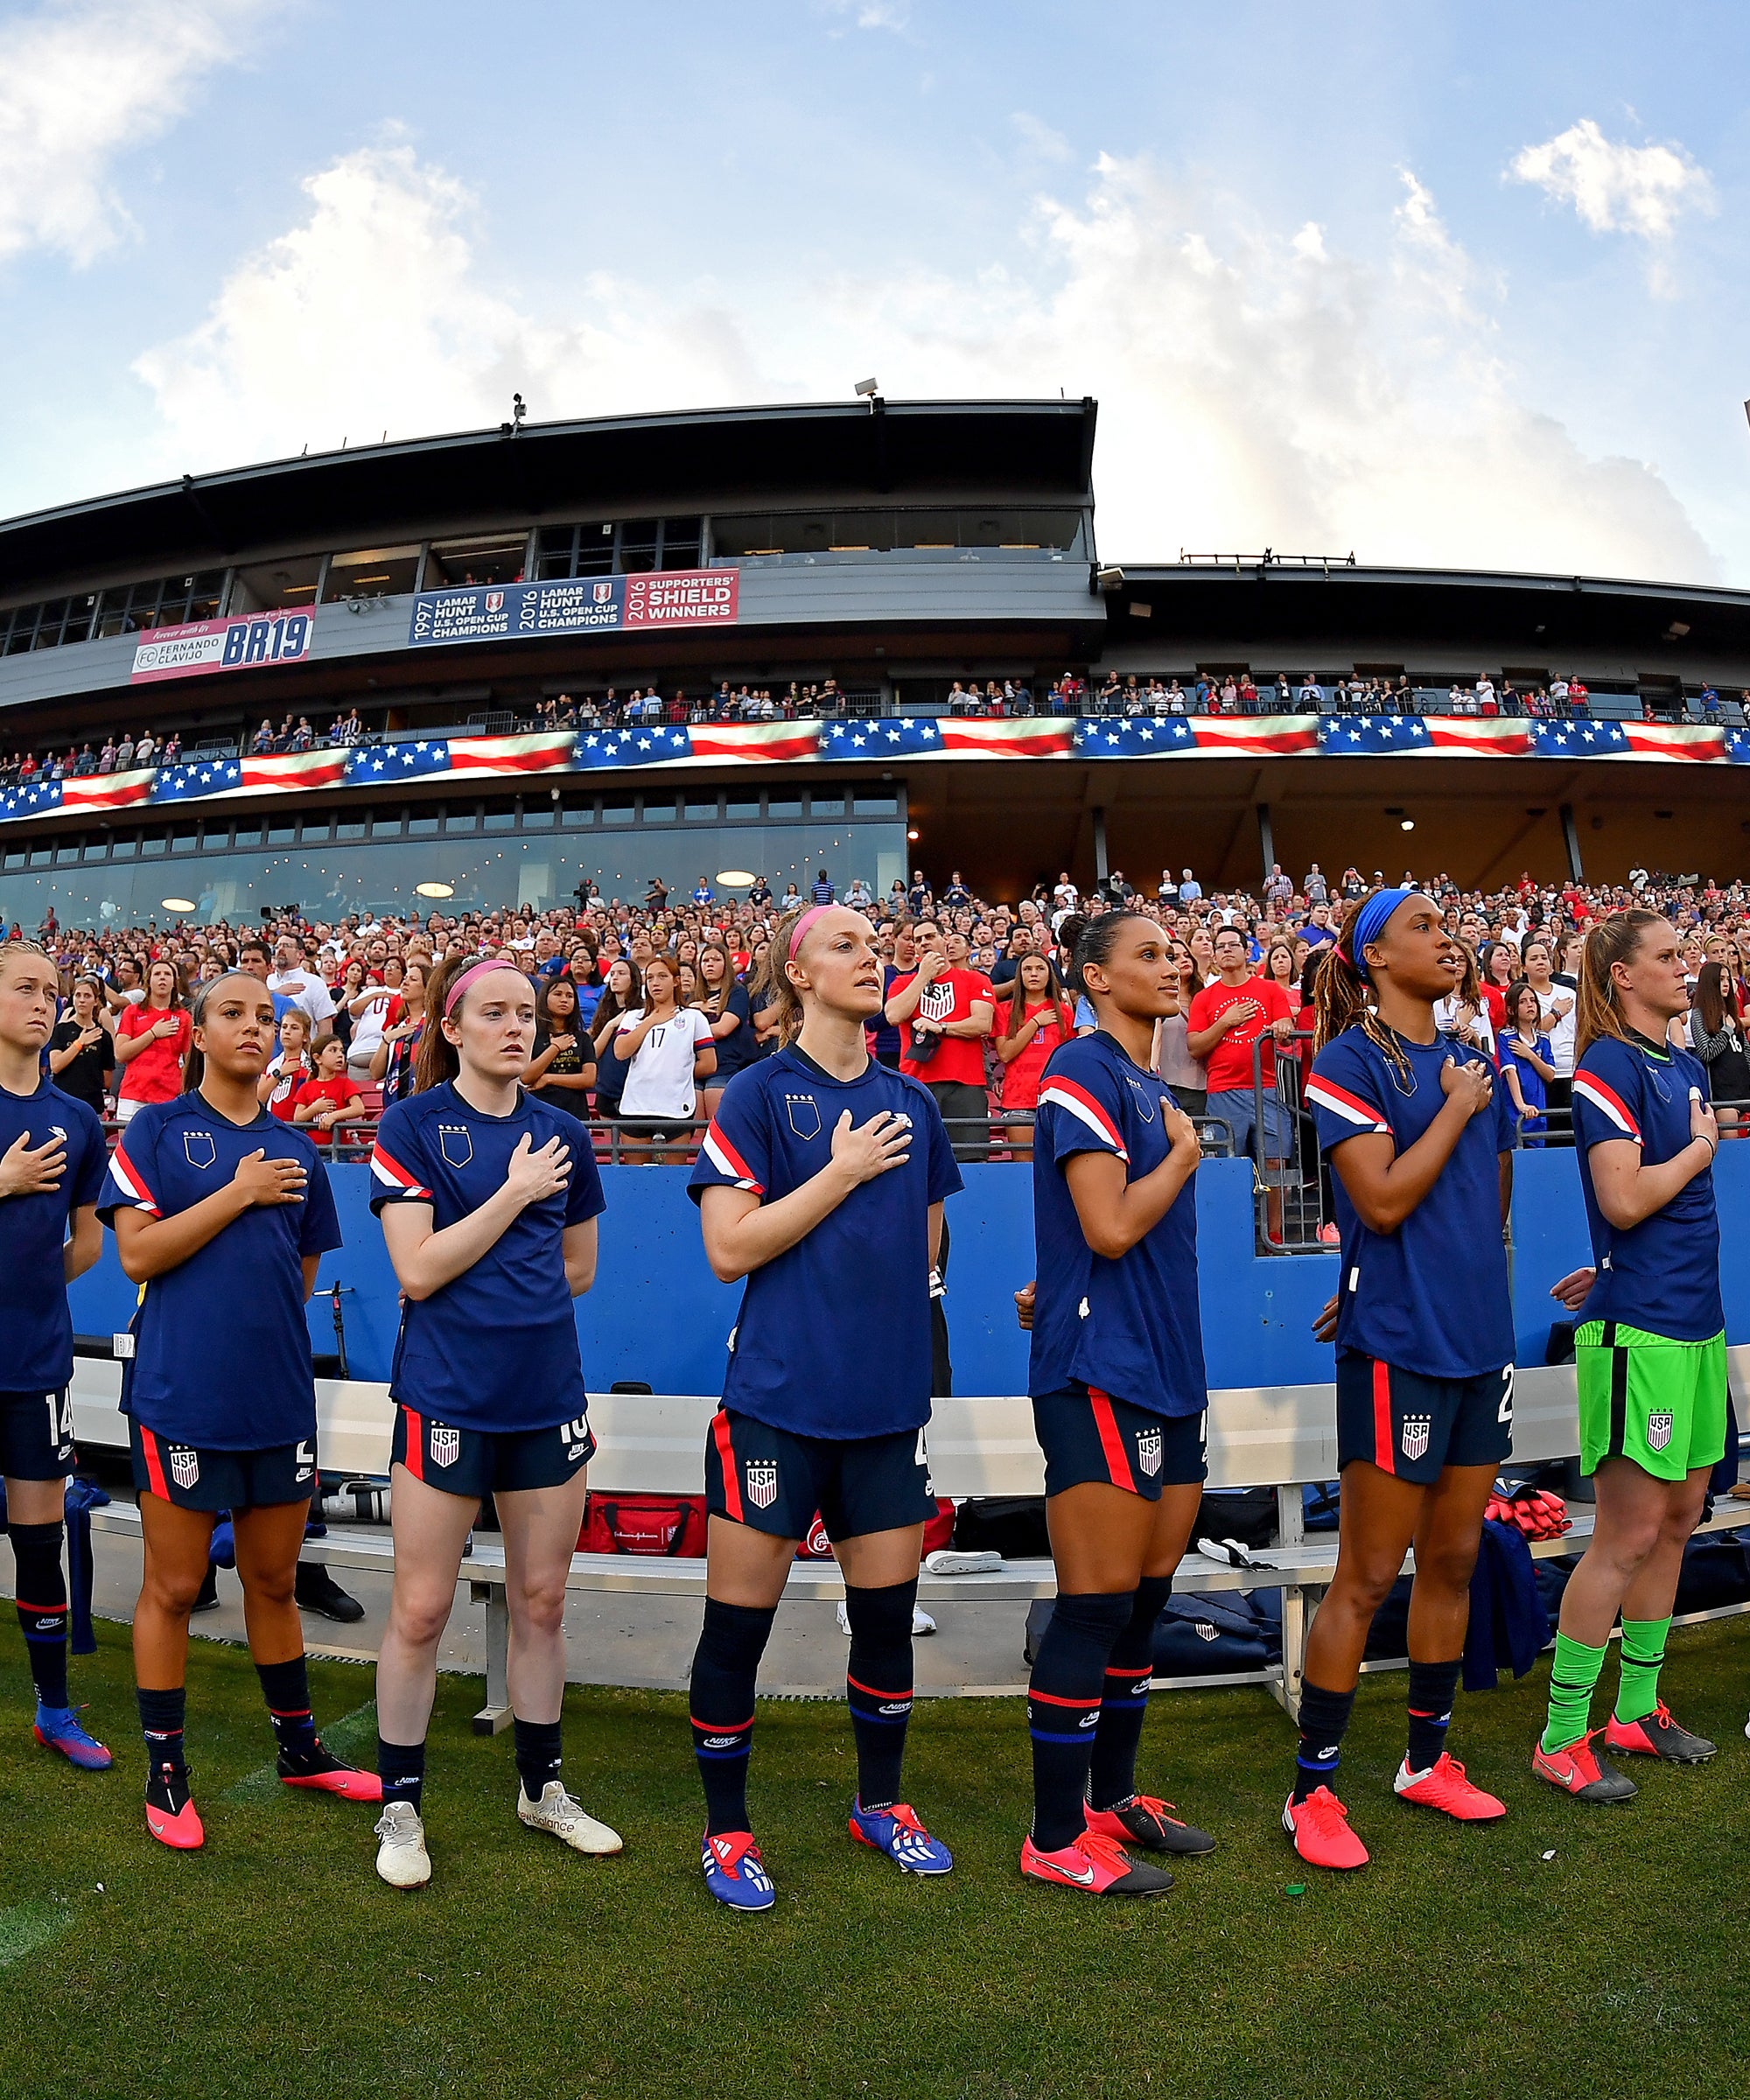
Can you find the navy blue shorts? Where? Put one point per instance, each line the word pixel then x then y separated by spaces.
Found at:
pixel 475 1462
pixel 193 1478
pixel 1088 1435
pixel 1411 1427
pixel 774 1481
pixel 35 1435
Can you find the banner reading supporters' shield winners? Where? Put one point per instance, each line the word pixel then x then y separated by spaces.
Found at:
pixel 590 605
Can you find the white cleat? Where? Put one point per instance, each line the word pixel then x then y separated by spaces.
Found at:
pixel 562 1817
pixel 402 1861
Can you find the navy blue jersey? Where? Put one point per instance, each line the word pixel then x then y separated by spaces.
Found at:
pixel 833 1338
pixel 34 1314
pixel 1661 1275
pixel 1430 1297
pixel 221 1353
pixel 1131 1327
pixel 497 1348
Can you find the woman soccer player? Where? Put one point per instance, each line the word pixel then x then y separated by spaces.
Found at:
pixel 1649 1349
pixel 488 1202
pixel 821 1167
pixel 52 1163
pixel 1417 1132
pixel 1119 1394
pixel 221 1214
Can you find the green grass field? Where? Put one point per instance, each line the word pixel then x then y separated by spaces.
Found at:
pixel 1460 1963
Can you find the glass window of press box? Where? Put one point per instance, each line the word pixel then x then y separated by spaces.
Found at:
pixel 487 852
pixel 626 547
pixel 1056 534
pixel 125 609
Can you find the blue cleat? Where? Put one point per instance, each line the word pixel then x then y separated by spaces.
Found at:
pixel 735 1874
pixel 58 1728
pixel 897 1832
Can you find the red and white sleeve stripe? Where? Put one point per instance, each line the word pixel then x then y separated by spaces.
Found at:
pixel 131 1186
pixel 1327 1093
pixel 729 1163
pixel 1609 1104
pixel 1061 1093
pixel 394 1176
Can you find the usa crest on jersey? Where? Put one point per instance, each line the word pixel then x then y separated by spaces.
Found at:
pixel 1148 1452
pixel 444 1444
pixel 1658 1431
pixel 760 1480
pixel 1414 1441
pixel 184 1465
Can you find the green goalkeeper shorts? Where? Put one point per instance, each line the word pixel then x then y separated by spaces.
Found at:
pixel 1660 1403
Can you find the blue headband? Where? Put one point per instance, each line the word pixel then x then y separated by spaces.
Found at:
pixel 1370 922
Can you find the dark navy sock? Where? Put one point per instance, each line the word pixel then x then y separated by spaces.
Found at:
pixel 1324 1716
pixel 1123 1701
pixel 1063 1710
pixel 402 1768
pixel 877 1686
pixel 537 1755
pixel 285 1686
pixel 725 1666
pixel 1432 1688
pixel 161 1718
pixel 41 1591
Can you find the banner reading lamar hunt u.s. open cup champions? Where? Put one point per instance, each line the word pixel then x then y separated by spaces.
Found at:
pixel 588 605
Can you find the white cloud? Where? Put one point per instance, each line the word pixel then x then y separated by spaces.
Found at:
pixel 1039 137
pixel 894 15
pixel 83 83
pixel 1257 389
pixel 1616 188
pixel 370 315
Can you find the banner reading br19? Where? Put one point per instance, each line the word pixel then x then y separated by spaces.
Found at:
pixel 583 605
pixel 202 646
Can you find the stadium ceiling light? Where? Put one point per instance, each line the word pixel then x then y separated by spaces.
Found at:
pixel 176 903
pixel 1408 824
pixel 434 889
pixel 735 878
pixel 913 837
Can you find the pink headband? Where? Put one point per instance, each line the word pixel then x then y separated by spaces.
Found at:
pixel 803 924
pixel 474 971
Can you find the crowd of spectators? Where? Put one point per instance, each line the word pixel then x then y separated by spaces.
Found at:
pixel 646 706
pixel 647 1007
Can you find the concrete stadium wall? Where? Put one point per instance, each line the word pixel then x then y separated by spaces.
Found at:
pixel 657 1313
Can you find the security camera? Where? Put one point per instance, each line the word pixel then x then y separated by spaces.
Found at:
pixel 868 387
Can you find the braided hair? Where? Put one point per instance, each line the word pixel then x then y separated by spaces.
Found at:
pixel 1340 1001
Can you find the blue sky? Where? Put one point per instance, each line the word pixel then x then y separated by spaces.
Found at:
pixel 1441 283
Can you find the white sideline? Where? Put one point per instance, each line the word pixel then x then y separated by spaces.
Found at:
pixel 1278 1437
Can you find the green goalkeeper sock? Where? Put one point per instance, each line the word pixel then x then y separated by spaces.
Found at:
pixel 1572 1675
pixel 1643 1651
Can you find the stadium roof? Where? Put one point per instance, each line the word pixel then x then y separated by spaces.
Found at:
pixel 1526 615
pixel 739 459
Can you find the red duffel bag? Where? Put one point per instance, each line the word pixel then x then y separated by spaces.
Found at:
pixel 657 1524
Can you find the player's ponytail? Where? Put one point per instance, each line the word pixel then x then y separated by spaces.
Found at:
pixel 437 1058
pixel 1087 941
pixel 1597 1012
pixel 1340 1001
pixel 771 987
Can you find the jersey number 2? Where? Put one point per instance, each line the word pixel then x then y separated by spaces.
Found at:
pixel 1505 1412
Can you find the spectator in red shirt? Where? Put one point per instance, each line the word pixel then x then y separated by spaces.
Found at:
pixel 1036 1019
pixel 152 1043
pixel 333 1097
pixel 943 1015
pixel 1226 1019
